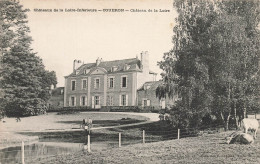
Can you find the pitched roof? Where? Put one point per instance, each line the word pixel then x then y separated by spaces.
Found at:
pixel 153 85
pixel 133 63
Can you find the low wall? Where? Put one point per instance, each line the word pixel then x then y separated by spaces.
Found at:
pixel 120 108
pixel 129 109
pixel 108 109
pixel 80 109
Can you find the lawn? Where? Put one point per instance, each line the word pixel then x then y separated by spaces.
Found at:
pixel 155 131
pixel 209 148
pixel 53 121
pixel 12 132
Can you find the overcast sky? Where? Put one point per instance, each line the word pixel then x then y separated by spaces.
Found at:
pixel 61 37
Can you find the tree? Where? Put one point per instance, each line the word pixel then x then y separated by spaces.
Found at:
pixel 235 75
pixel 214 62
pixel 185 66
pixel 24 80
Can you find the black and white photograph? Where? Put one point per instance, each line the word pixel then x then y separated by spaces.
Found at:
pixel 129 81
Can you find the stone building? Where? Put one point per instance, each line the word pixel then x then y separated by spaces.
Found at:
pixel 107 83
pixel 147 96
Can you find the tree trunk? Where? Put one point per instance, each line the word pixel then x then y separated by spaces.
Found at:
pixel 223 120
pixel 235 113
pixel 227 122
pixel 244 112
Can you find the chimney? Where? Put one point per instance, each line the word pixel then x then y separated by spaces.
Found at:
pixel 98 61
pixel 76 64
pixel 145 61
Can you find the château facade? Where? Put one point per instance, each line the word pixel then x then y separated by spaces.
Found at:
pixel 107 83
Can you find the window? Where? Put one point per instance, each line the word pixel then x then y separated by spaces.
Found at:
pixel 73 85
pixel 114 68
pixel 97 100
pixel 110 101
pixel 145 102
pixel 147 87
pixel 97 83
pixel 124 100
pixel 162 104
pixel 123 82
pixel 126 67
pixel 111 82
pixel 72 101
pixel 83 101
pixel 84 84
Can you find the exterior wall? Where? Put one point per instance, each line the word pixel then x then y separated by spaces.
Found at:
pixel 78 92
pixel 103 91
pixel 135 79
pixel 143 77
pixel 154 101
pixel 118 90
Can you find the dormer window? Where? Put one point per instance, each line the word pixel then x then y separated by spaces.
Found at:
pixel 126 67
pixel 147 87
pixel 114 68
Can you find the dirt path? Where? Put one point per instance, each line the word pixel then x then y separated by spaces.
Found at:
pixel 57 123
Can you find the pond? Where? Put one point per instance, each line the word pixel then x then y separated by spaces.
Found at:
pixel 44 149
pixel 37 150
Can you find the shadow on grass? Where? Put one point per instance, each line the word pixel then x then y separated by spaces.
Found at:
pixel 156 131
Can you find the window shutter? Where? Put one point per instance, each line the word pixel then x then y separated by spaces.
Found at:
pixel 108 79
pixel 108 100
pixel 93 102
pixel 148 102
pixel 80 101
pixel 121 82
pixel 142 102
pixel 86 101
pixel 94 83
pixel 75 101
pixel 120 104
pixel 126 101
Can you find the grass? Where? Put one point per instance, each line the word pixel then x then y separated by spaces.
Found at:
pixel 105 123
pixel 209 148
pixel 13 132
pixel 54 121
pixel 154 131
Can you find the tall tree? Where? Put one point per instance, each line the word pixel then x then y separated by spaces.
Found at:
pixel 185 66
pixel 216 59
pixel 235 47
pixel 24 80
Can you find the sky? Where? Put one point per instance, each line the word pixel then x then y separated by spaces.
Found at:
pixel 61 37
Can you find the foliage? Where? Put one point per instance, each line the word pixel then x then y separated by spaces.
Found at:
pixel 25 82
pixel 214 63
